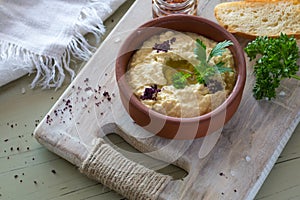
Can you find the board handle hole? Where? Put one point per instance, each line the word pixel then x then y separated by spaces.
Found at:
pixel 135 155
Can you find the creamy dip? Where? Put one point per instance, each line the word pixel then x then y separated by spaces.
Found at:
pixel 160 57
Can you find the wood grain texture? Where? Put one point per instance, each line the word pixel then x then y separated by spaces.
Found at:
pixel 26 166
pixel 235 168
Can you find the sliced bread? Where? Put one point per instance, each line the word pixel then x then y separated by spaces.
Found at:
pixel 252 18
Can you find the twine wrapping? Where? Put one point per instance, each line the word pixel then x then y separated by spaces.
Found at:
pixel 126 177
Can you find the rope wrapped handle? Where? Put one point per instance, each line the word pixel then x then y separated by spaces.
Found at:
pixel 126 177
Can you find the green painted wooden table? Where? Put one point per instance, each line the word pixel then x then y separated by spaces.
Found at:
pixel 29 171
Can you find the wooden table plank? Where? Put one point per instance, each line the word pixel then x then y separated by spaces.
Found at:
pixel 20 168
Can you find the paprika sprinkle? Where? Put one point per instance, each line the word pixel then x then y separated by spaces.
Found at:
pixel 167 7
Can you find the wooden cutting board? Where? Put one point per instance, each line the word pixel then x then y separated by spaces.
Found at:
pixel 231 164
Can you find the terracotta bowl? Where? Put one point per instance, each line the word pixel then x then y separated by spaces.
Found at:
pixel 172 127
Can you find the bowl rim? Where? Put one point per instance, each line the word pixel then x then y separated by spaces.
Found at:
pixel 240 79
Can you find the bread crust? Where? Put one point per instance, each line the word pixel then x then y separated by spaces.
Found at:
pixel 242 17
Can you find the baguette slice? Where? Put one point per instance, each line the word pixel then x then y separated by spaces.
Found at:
pixel 254 18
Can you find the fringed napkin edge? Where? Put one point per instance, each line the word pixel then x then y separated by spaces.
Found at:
pixel 50 71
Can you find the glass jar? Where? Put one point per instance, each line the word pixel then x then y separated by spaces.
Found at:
pixel 167 7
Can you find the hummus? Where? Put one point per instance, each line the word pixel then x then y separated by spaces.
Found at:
pixel 160 57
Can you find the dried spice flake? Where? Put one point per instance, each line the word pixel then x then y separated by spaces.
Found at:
pixel 164 46
pixel 150 93
pixel 214 86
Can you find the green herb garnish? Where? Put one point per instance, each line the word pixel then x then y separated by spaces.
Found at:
pixel 219 49
pixel 277 60
pixel 179 79
pixel 203 71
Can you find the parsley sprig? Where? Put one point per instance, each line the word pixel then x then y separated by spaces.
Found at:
pixel 204 70
pixel 276 60
pixel 179 79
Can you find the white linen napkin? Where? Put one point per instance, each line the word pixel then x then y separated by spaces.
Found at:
pixel 41 36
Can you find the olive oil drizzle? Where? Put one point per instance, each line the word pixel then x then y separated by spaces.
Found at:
pixel 174 66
